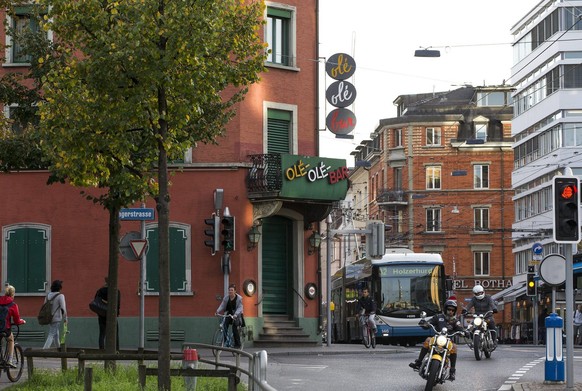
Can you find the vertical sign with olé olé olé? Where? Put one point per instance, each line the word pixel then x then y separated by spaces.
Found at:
pixel 340 94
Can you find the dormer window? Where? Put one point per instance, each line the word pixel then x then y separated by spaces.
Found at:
pixel 481 124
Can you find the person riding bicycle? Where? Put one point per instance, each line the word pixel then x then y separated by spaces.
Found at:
pixel 366 309
pixel 446 319
pixel 13 317
pixel 482 304
pixel 232 305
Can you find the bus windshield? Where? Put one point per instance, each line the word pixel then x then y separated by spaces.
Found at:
pixel 405 289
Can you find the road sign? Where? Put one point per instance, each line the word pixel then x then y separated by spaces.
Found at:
pixel 137 214
pixel 125 247
pixel 138 246
pixel 553 269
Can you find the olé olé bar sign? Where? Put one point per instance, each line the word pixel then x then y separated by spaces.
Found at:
pixel 341 121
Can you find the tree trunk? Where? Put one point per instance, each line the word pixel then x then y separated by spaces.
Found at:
pixel 163 205
pixel 112 293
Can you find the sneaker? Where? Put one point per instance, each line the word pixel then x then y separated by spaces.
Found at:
pixel 452 374
pixel 415 365
pixel 12 363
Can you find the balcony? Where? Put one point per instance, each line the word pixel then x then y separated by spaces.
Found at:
pixel 265 177
pixel 391 197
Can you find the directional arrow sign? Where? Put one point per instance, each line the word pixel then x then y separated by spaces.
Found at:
pixel 138 246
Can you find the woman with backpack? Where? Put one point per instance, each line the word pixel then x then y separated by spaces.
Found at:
pixel 59 312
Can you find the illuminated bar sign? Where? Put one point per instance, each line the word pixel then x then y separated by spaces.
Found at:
pixel 314 178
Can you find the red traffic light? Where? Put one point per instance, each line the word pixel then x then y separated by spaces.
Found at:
pixel 568 192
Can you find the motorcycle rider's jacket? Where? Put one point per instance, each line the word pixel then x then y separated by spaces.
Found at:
pixel 440 320
pixel 482 306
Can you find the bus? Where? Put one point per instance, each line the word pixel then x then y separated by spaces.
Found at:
pixel 403 283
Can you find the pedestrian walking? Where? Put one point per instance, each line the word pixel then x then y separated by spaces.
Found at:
pixel 578 325
pixel 59 310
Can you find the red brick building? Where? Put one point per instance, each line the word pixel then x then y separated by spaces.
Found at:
pixel 441 178
pixel 51 232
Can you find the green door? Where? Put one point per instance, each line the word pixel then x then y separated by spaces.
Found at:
pixel 277 260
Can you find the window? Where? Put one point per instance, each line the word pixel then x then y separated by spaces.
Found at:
pixel 481 219
pixel 280 35
pixel 397 178
pixel 280 124
pixel 433 220
pixel 433 177
pixel 481 131
pixel 481 263
pixel 481 176
pixel 20 117
pixel 491 98
pixel 433 136
pixel 397 138
pixel 24 20
pixel 180 259
pixel 26 257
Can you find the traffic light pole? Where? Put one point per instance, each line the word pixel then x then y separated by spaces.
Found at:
pixel 568 317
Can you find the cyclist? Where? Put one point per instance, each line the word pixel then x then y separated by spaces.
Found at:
pixel 482 304
pixel 366 308
pixel 12 318
pixel 446 319
pixel 232 305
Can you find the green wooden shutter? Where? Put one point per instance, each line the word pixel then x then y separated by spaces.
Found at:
pixel 178 237
pixel 152 276
pixel 26 259
pixel 279 131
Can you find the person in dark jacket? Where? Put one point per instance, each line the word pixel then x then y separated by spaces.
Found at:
pixel 232 305
pixel 13 318
pixel 366 309
pixel 102 293
pixel 446 319
pixel 482 304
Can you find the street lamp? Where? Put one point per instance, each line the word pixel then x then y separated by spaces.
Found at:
pixel 314 242
pixel 427 53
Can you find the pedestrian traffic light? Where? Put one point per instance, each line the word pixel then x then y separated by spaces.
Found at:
pixel 213 232
pixel 566 209
pixel 531 286
pixel 228 233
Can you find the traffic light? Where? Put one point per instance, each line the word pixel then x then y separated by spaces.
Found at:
pixel 531 286
pixel 213 232
pixel 566 209
pixel 228 233
pixel 375 247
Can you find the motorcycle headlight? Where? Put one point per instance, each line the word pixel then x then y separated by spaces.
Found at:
pixel 477 322
pixel 441 340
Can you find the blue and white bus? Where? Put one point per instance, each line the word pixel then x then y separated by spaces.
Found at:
pixel 403 283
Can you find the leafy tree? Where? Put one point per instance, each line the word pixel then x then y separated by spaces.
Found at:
pixel 142 80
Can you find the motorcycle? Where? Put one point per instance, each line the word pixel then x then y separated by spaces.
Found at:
pixel 482 338
pixel 435 366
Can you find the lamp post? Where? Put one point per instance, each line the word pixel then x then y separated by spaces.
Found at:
pixel 328 278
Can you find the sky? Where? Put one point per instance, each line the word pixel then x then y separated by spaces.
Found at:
pixel 474 39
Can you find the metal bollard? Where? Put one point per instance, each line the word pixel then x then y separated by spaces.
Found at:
pixel 190 360
pixel 554 366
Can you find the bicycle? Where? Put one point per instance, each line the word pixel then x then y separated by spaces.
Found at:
pixel 368 336
pixel 13 372
pixel 224 338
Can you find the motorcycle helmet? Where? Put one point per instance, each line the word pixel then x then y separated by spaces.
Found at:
pixel 450 304
pixel 479 292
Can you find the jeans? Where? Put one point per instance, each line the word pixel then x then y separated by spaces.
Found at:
pixel 577 334
pixel 102 328
pixel 53 335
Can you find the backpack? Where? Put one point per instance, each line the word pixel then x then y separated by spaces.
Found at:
pixel 4 316
pixel 45 315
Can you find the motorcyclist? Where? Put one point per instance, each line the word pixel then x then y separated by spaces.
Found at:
pixel 446 319
pixel 483 303
pixel 366 307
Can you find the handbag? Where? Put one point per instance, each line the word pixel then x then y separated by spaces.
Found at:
pixel 98 306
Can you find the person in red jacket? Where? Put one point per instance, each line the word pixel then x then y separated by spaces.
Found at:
pixel 13 318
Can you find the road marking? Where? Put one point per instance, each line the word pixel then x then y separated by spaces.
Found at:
pixel 511 380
